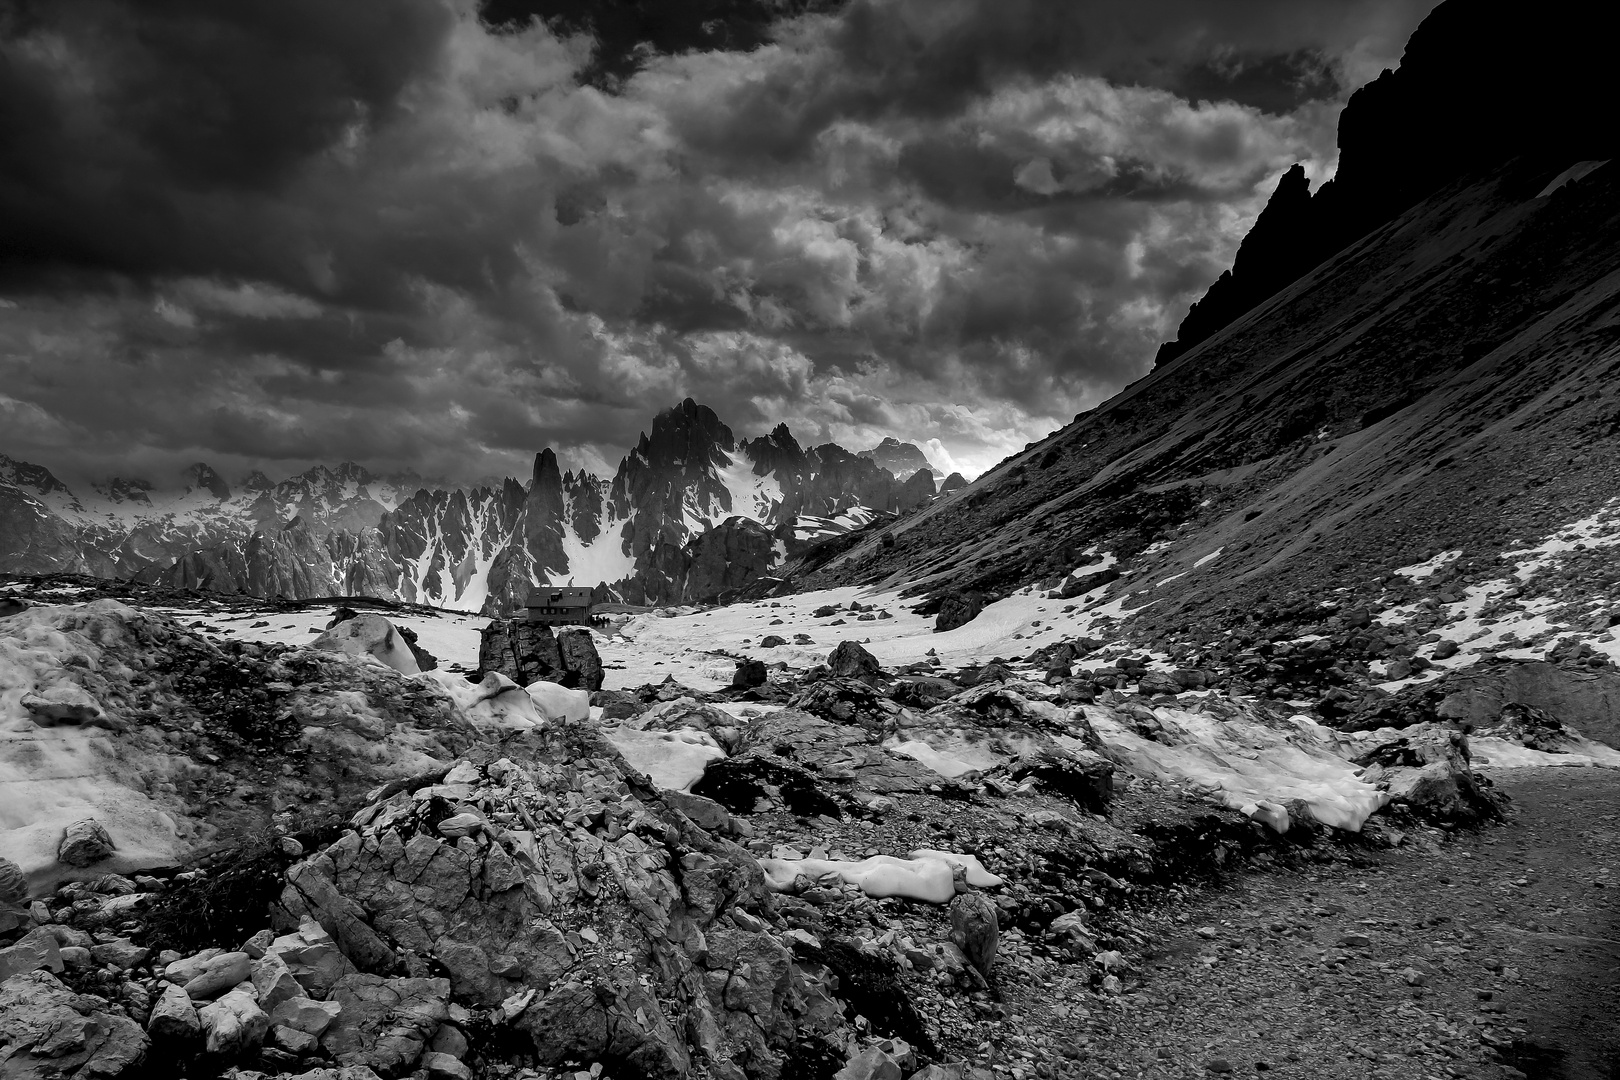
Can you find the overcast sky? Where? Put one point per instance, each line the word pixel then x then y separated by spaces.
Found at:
pixel 421 235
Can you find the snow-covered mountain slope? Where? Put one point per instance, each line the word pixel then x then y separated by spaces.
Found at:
pixel 691 512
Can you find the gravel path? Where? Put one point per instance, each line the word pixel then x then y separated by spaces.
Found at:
pixel 1493 955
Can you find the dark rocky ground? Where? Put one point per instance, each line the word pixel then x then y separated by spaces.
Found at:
pixel 1143 929
pixel 1494 954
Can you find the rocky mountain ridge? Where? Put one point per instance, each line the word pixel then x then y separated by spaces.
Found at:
pixel 1450 110
pixel 1442 384
pixel 692 511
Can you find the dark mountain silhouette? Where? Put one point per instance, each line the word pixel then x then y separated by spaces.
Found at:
pixel 1474 89
pixel 1444 381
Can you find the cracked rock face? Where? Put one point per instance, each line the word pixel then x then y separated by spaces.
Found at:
pixel 582 912
pixel 48 1030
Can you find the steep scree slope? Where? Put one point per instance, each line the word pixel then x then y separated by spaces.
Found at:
pixel 1447 382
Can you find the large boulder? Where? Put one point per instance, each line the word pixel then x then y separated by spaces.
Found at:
pixel 749 674
pixel 1428 768
pixel 222 973
pixel 13 885
pixel 35 951
pixel 234 1025
pixel 527 652
pixel 174 1016
pixel 976 930
pixel 957 609
pixel 46 1030
pixel 580 659
pixel 586 915
pixel 84 843
pixel 850 660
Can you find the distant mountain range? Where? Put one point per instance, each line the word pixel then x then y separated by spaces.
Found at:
pixel 690 513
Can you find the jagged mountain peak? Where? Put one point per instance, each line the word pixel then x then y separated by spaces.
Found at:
pixel 688 434
pixel 901 458
pixel 124 489
pixel 546 471
pixel 202 477
pixel 690 512
pixel 35 479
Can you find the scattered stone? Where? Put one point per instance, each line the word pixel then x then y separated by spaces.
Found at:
pixel 313 958
pixel 306 1014
pixel 174 1017
pixel 184 969
pixel 273 982
pixel 121 953
pixel 222 973
pixel 750 673
pixel 444 1067
pixel 298 1043
pixel 975 929
pixel 233 1025
pixel 850 660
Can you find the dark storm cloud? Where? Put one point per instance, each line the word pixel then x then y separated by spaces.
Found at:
pixel 281 232
pixel 627 33
pixel 931 58
pixel 130 133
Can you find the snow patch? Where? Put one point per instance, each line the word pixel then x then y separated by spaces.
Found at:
pixel 1427 568
pixel 927 875
pixel 1244 765
pixel 672 759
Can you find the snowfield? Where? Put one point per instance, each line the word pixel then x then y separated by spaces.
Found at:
pixel 700 648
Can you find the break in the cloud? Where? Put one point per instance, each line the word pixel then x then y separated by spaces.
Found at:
pixel 422 236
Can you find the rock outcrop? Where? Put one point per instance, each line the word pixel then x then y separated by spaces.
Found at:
pixel 48 1030
pixel 1589 700
pixel 915 492
pixel 564 913
pixel 528 652
pixel 338 725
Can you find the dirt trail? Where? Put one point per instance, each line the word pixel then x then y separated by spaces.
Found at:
pixel 1495 955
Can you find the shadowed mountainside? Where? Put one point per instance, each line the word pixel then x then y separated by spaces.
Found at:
pixel 1473 89
pixel 1445 382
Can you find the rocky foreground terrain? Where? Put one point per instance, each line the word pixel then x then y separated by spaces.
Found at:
pixel 251 858
pixel 1261 722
